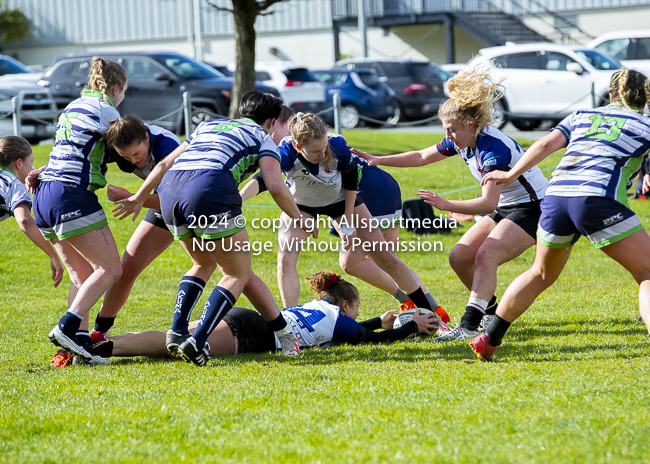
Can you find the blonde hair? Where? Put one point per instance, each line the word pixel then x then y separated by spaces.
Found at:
pixel 630 88
pixel 471 96
pixel 104 75
pixel 305 128
pixel 331 287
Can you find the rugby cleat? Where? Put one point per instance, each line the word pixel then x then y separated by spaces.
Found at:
pixel 483 348
pixel 189 351
pixel 173 340
pixel 406 306
pixel 457 333
pixel 290 345
pixel 62 358
pixel 485 322
pixel 94 361
pixel 102 346
pixel 442 314
pixel 69 342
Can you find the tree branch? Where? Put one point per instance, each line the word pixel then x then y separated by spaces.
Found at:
pixel 220 8
pixel 263 5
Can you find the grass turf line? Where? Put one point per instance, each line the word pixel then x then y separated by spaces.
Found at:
pixel 570 384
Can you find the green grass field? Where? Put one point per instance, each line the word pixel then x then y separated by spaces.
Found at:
pixel 571 382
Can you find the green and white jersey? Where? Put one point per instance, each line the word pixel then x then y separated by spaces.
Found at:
pixel 78 153
pixel 606 148
pixel 234 145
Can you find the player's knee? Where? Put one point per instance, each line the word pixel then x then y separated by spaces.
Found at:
pixel 458 258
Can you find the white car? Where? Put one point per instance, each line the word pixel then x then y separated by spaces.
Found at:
pixel 546 81
pixel 630 48
pixel 299 89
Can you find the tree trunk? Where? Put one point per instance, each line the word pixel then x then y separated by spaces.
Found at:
pixel 244 13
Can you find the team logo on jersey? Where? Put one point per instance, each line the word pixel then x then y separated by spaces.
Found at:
pixel 611 220
pixel 329 170
pixel 305 171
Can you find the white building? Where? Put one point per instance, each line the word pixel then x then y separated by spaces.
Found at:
pixel 306 31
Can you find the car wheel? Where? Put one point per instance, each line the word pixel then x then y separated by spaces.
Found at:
pixel 499 114
pixel 526 124
pixel 201 114
pixel 349 117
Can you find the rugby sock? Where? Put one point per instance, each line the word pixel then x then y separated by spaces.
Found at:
pixel 103 324
pixel 492 306
pixel 474 312
pixel 400 296
pixel 421 300
pixel 83 339
pixel 278 324
pixel 497 329
pixel 219 303
pixel 70 322
pixel 432 301
pixel 189 292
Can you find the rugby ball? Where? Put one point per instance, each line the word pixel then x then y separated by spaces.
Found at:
pixel 406 316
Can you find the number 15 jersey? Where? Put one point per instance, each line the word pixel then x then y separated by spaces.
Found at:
pixel 606 147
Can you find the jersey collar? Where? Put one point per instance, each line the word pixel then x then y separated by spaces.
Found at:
pixel 620 105
pixel 96 93
pixel 3 168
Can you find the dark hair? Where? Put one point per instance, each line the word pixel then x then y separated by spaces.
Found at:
pixel 259 106
pixel 104 74
pixel 330 286
pixel 13 148
pixel 125 131
pixel 285 114
pixel 631 88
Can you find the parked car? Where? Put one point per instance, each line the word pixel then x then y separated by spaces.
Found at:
pixel 157 81
pixel 546 81
pixel 17 71
pixel 361 94
pixel 417 85
pixel 630 48
pixel 298 87
pixel 38 113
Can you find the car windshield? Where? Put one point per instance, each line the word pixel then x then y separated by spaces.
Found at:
pixel 186 68
pixel 424 70
pixel 599 60
pixel 11 67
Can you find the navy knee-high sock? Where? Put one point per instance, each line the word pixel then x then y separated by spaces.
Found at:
pixel 219 303
pixel 189 292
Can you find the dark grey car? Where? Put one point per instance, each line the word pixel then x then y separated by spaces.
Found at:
pixel 417 85
pixel 157 81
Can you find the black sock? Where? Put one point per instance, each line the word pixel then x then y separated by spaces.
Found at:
pixel 420 299
pixel 103 324
pixel 277 324
pixel 471 319
pixel 497 329
pixel 492 306
pixel 83 338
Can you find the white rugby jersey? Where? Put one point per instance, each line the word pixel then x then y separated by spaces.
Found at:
pixel 310 184
pixel 78 153
pixel 12 193
pixel 235 145
pixel 606 147
pixel 313 323
pixel 495 151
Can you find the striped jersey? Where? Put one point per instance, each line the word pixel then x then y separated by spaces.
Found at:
pixel 78 153
pixel 315 185
pixel 495 151
pixel 606 147
pixel 12 193
pixel 235 145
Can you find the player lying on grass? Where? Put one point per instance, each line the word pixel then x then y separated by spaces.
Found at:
pixel 16 162
pixel 586 196
pixel 511 210
pixel 329 319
